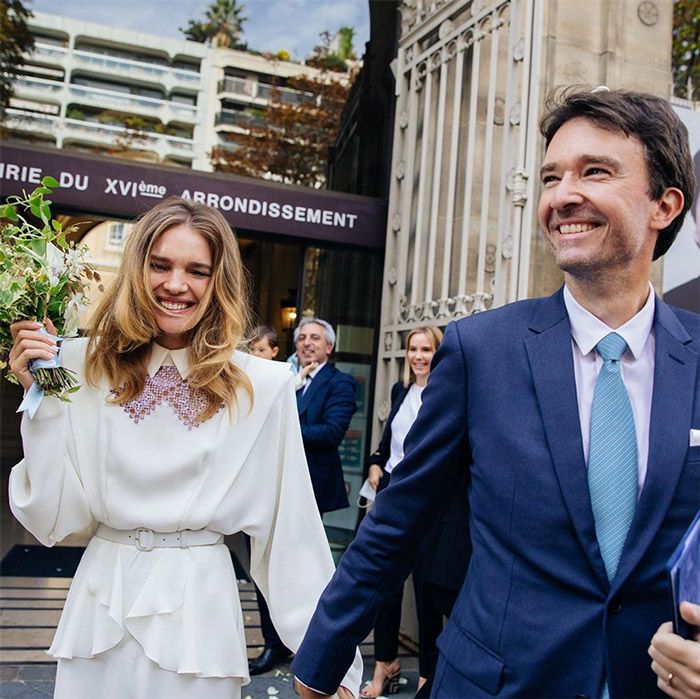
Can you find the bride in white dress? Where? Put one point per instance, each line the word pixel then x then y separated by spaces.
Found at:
pixel 174 440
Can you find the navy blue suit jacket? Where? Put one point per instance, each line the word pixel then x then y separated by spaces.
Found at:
pixel 325 411
pixel 536 616
pixel 381 454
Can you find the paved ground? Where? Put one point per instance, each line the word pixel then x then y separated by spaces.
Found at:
pixel 36 681
pixel 29 612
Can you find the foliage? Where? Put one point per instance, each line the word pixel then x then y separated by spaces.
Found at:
pixel 42 275
pixel 292 145
pixel 324 58
pixel 345 48
pixel 15 41
pixel 685 58
pixel 222 25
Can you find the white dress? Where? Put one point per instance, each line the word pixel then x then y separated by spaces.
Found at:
pixel 168 622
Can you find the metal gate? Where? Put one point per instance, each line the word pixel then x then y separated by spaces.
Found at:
pixel 463 180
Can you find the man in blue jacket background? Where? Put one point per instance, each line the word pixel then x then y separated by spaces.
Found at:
pixel 326 403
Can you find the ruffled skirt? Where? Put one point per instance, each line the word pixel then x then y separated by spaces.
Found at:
pixel 178 609
pixel 125 672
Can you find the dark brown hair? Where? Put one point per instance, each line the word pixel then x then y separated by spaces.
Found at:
pixel 263 332
pixel 648 118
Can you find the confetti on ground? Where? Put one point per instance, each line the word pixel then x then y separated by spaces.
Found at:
pixel 271 691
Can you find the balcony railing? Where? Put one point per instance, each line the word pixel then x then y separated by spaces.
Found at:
pixel 94 131
pixel 38 84
pixel 112 64
pixel 140 69
pixel 50 51
pixel 236 118
pixel 252 89
pixel 18 118
pixel 238 86
pixel 125 99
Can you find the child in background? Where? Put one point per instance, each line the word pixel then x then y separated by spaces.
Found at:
pixel 264 343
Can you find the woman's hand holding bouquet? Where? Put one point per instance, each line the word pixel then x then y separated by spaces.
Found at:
pixel 43 277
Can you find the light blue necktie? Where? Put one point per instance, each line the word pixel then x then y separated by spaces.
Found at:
pixel 612 458
pixel 612 455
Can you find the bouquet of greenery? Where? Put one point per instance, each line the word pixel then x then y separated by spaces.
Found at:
pixel 42 275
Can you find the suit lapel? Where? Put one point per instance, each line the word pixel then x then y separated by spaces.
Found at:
pixel 551 362
pixel 675 367
pixel 317 382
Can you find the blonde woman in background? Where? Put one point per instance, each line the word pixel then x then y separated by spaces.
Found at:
pixel 421 345
pixel 174 440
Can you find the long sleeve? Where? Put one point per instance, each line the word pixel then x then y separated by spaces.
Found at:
pixel 290 557
pixel 46 494
pixel 337 412
pixel 391 536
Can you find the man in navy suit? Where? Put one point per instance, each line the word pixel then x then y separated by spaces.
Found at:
pixel 560 599
pixel 326 403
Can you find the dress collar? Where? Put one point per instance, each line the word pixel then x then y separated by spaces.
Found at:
pixel 162 356
pixel 588 331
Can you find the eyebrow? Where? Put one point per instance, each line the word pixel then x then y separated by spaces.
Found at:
pixel 612 163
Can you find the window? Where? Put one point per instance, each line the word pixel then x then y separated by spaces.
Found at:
pixel 117 231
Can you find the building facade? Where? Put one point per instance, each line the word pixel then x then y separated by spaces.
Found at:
pixel 91 87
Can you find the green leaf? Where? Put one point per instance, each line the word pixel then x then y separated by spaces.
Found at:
pixel 8 211
pixel 56 225
pixel 42 190
pixel 49 181
pixel 45 211
pixel 37 246
pixel 35 207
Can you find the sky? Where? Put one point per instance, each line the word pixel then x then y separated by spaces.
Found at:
pixel 271 25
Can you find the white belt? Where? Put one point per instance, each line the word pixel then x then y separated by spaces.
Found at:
pixel 146 539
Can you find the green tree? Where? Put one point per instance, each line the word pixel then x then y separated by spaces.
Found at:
pixel 685 59
pixel 323 58
pixel 222 25
pixel 291 145
pixel 346 50
pixel 15 42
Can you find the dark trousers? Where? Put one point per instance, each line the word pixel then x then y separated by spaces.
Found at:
pixel 386 628
pixel 269 633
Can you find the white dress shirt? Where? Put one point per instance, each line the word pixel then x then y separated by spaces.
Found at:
pixel 304 383
pixel 637 366
pixel 402 423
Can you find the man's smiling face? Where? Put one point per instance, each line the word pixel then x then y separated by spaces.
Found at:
pixel 595 208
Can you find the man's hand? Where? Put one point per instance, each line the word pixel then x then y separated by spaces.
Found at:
pixel 675 660
pixel 306 693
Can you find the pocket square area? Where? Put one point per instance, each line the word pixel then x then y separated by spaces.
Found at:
pixel 694 438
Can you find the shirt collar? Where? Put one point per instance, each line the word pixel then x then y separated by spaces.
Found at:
pixel 162 356
pixel 312 374
pixel 588 331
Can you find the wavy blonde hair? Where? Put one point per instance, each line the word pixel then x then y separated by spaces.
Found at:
pixel 124 327
pixel 434 335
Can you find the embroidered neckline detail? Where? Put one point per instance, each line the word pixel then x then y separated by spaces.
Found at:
pixel 167 386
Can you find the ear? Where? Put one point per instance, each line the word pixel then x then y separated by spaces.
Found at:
pixel 666 208
pixel 275 351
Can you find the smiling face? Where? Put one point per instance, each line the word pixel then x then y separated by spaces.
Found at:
pixel 419 354
pixel 180 268
pixel 311 344
pixel 595 208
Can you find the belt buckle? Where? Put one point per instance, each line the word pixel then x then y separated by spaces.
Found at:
pixel 144 539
